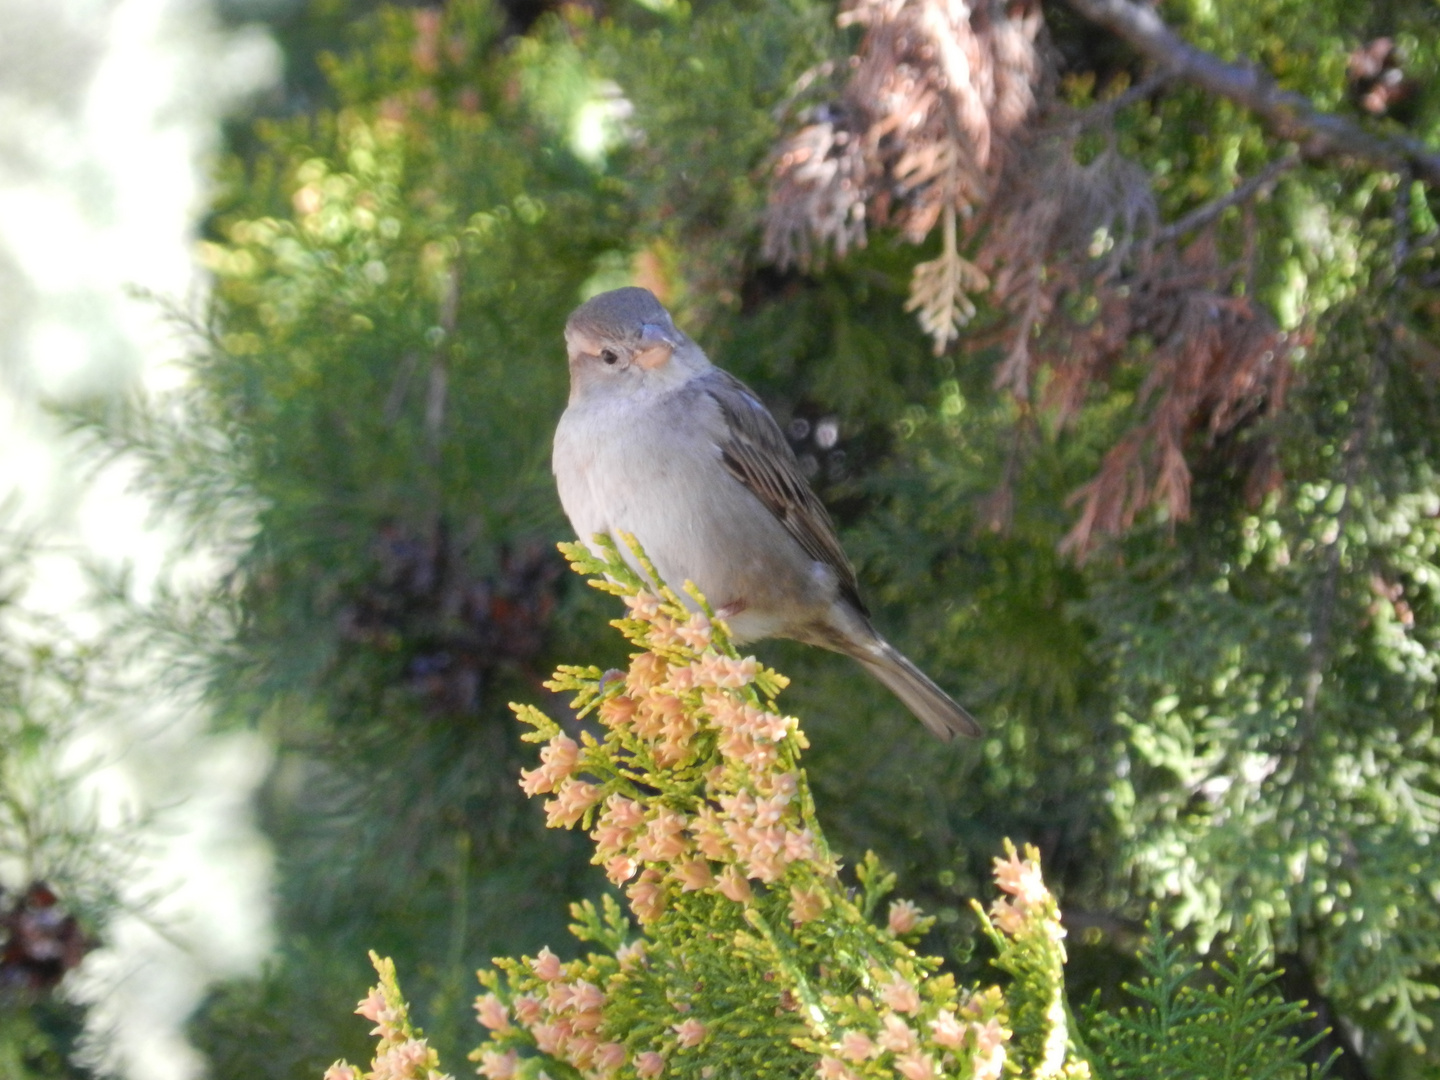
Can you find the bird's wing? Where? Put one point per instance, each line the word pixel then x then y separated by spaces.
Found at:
pixel 755 452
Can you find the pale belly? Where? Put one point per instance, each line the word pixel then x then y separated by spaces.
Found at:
pixel 696 522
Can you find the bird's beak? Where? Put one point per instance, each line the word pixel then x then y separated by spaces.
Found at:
pixel 656 346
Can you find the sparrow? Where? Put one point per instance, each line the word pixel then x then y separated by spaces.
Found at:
pixel 659 442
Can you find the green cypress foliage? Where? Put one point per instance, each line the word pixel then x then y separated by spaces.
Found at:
pixel 1181 559
pixel 748 956
pixel 1232 1025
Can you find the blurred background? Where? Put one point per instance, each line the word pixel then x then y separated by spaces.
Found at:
pixel 1125 406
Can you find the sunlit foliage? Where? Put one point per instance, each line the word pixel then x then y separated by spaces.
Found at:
pixel 1173 538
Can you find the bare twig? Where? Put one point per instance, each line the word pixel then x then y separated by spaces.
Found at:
pixel 1104 111
pixel 1288 114
pixel 800 87
pixel 1203 215
pixel 439 377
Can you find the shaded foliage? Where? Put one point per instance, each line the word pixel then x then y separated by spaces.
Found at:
pixel 1225 344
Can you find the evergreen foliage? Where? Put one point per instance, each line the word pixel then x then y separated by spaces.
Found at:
pixel 751 957
pixel 1236 1026
pixel 60 869
pixel 1175 542
pixel 754 955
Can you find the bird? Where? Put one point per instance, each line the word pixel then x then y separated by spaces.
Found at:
pixel 658 442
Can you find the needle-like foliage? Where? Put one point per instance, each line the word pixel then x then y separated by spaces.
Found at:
pixel 744 952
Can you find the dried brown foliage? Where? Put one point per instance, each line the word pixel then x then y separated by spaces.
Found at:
pixel 1091 282
pixel 946 121
pixel 918 136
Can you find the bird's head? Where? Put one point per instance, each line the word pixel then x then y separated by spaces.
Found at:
pixel 623 340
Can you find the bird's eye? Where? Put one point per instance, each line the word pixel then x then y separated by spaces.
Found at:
pixel 610 356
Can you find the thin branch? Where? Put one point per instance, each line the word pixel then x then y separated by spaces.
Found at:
pixel 801 85
pixel 1203 215
pixel 439 376
pixel 1104 111
pixel 1289 115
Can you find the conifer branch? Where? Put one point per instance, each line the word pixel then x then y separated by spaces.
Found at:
pixel 1289 115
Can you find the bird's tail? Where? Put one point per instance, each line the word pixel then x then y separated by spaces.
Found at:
pixel 936 709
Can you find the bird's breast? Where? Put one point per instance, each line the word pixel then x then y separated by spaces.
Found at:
pixel 657 473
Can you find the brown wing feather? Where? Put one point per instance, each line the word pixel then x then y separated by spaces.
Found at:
pixel 756 453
